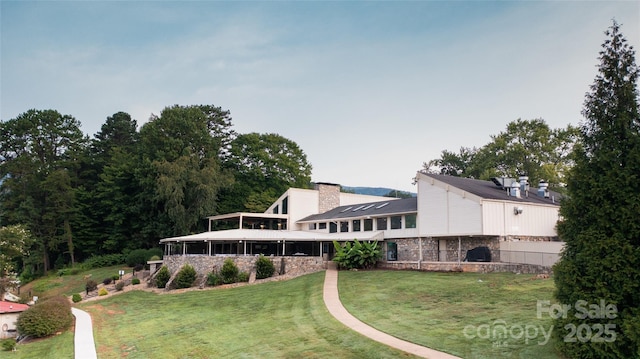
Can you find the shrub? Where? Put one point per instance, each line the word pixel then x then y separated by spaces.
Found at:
pixel 135 281
pixel 91 285
pixel 46 317
pixel 120 286
pixel 138 267
pixel 162 277
pixel 137 256
pixel 154 258
pixel 8 344
pixel 356 254
pixel 243 277
pixel 103 291
pixel 106 260
pixel 115 276
pixel 229 271
pixel 264 267
pixel 185 277
pixel 76 298
pixel 214 279
pixel 107 281
pixel 154 252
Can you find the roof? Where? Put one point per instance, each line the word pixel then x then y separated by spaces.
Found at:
pixel 489 190
pixel 370 209
pixel 10 307
pixel 274 235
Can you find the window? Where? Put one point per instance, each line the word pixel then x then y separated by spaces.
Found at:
pixel 275 209
pixel 285 205
pixel 381 223
pixel 396 222
pixel 333 227
pixel 312 226
pixel 356 225
pixel 368 225
pixel 344 226
pixel 322 225
pixel 410 221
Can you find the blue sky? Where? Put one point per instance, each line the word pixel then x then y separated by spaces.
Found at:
pixel 369 90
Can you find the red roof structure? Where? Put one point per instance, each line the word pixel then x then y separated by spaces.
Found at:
pixel 10 307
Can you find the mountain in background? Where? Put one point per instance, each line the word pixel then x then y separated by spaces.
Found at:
pixel 376 191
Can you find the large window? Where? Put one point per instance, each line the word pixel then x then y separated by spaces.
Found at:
pixel 333 227
pixel 344 226
pixel 356 225
pixel 410 221
pixel 396 222
pixel 381 223
pixel 368 224
pixel 285 205
pixel 275 209
pixel 322 225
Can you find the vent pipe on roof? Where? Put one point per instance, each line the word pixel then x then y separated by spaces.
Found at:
pixel 542 189
pixel 524 184
pixel 515 190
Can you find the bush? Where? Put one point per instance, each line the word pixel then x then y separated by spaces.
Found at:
pixel 91 285
pixel 185 277
pixel 135 281
pixel 162 277
pixel 138 267
pixel 107 281
pixel 120 286
pixel 45 318
pixel 214 279
pixel 229 271
pixel 76 298
pixel 115 276
pixel 103 291
pixel 106 260
pixel 356 254
pixel 243 277
pixel 264 267
pixel 8 344
pixel 154 258
pixel 137 256
pixel 155 252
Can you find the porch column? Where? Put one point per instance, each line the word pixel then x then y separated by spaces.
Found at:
pixel 209 247
pixel 245 248
pixel 184 248
pixel 283 245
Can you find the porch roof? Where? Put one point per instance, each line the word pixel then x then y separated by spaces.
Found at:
pixel 275 235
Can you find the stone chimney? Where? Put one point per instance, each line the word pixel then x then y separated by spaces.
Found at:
pixel 328 196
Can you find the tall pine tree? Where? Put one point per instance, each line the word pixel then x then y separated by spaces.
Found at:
pixel 601 216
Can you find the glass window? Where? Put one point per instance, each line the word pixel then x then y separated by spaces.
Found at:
pixel 333 227
pixel 356 225
pixel 381 223
pixel 396 222
pixel 344 226
pixel 410 221
pixel 322 225
pixel 312 226
pixel 285 205
pixel 275 209
pixel 368 224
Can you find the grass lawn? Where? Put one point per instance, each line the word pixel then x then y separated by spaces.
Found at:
pixel 285 319
pixel 433 309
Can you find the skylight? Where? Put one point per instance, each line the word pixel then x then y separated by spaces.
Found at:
pixel 369 206
pixel 382 205
pixel 346 209
pixel 357 208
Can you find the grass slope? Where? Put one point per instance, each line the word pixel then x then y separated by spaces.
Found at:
pixel 433 309
pixel 271 320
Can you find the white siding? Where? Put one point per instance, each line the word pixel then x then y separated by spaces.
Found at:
pixel 535 220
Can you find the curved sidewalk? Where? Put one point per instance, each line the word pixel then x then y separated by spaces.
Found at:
pixel 335 307
pixel 85 348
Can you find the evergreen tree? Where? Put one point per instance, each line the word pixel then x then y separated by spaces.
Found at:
pixel 601 260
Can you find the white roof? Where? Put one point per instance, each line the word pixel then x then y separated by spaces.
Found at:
pixel 275 235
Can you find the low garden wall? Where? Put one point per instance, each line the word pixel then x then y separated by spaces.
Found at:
pixel 476 267
pixel 204 264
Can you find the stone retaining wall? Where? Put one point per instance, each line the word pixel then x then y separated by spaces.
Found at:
pixel 204 264
pixel 475 267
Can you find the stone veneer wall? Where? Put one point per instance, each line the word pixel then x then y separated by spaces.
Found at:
pixel 328 196
pixel 204 264
pixel 475 267
pixel 529 239
pixel 409 248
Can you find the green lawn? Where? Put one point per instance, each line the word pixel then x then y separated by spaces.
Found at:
pixel 433 309
pixel 288 319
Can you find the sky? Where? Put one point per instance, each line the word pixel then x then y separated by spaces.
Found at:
pixel 369 90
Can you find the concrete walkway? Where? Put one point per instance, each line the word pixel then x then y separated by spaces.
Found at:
pixel 85 347
pixel 335 307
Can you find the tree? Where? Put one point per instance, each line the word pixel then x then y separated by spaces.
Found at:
pixel 527 146
pixel 600 227
pixel 264 167
pixel 38 155
pixel 15 241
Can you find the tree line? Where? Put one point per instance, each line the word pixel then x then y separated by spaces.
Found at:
pixel 128 187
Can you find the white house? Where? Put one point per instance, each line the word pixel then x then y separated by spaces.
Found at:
pixel 503 220
pixel 9 313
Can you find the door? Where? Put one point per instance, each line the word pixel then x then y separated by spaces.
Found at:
pixel 442 250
